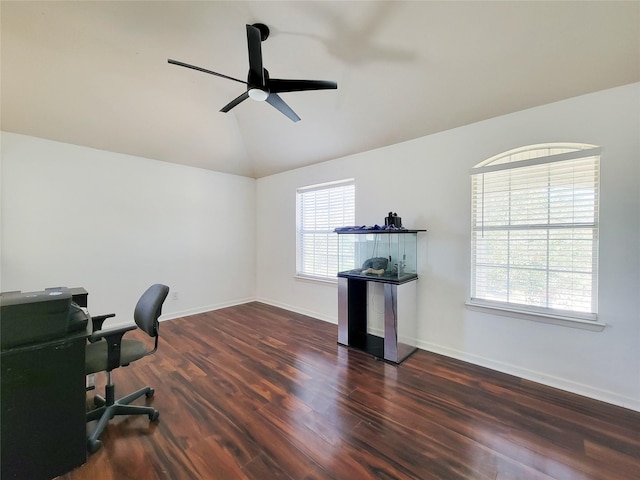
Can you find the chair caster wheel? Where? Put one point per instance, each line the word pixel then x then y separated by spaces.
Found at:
pixel 154 416
pixel 93 446
pixel 150 393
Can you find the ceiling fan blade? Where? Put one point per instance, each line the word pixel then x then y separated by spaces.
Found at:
pixel 254 41
pixel 235 102
pixel 182 64
pixel 274 100
pixel 278 85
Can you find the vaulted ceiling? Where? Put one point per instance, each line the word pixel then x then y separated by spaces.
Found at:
pixel 96 73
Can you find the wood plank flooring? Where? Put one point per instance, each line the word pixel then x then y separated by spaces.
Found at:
pixel 256 392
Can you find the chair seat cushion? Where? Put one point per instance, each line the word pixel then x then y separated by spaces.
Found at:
pixel 96 354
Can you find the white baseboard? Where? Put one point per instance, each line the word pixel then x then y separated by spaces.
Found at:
pixel 545 379
pixel 302 311
pixel 208 308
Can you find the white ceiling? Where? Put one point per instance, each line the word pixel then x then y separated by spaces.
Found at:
pixel 96 73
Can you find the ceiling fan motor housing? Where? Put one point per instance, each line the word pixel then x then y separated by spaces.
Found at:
pixel 255 81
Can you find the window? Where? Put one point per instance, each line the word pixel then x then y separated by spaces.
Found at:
pixel 535 230
pixel 320 209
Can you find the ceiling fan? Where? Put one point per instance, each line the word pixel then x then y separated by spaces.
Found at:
pixel 259 86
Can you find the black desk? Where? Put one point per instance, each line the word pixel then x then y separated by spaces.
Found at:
pixel 43 408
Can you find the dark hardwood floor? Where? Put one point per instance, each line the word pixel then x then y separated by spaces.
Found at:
pixel 256 392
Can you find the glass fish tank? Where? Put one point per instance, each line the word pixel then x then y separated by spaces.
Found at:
pixel 378 255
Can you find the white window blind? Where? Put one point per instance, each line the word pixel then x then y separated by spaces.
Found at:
pixel 320 210
pixel 535 230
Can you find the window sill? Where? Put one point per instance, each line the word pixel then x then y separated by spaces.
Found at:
pixel 321 280
pixel 591 325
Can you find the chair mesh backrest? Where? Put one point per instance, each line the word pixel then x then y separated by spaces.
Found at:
pixel 149 308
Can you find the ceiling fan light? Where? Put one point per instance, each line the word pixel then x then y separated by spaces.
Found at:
pixel 258 94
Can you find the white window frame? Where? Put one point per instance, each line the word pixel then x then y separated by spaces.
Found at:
pixel 521 170
pixel 316 240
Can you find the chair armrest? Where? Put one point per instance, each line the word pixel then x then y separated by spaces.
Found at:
pixel 98 320
pixel 112 334
pixel 113 337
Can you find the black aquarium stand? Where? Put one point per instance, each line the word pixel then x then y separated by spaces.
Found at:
pixel 400 319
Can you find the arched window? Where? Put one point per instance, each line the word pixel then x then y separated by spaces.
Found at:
pixel 535 230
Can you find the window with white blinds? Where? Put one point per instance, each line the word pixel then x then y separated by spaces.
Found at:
pixel 535 230
pixel 320 210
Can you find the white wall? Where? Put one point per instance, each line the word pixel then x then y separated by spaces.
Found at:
pixel 115 224
pixel 427 182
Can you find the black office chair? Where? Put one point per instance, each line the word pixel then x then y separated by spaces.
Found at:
pixel 107 350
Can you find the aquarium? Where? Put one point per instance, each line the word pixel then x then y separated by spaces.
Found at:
pixel 378 255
